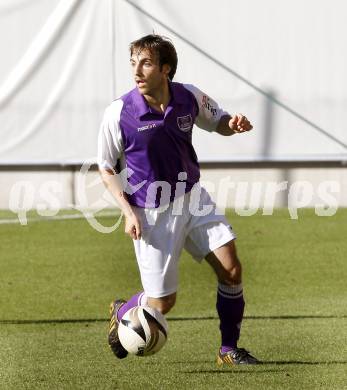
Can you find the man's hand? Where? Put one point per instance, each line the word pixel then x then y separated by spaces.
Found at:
pixel 228 125
pixel 133 226
pixel 239 124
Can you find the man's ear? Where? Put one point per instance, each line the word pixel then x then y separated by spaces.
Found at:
pixel 166 68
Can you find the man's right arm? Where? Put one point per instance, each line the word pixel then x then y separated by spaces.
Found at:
pixel 110 148
pixel 113 183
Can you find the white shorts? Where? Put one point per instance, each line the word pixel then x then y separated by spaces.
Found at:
pixel 165 234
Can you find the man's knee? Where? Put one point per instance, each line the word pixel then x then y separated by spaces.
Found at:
pixel 233 275
pixel 226 264
pixel 163 304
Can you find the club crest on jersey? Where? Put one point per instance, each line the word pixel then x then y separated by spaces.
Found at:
pixel 185 122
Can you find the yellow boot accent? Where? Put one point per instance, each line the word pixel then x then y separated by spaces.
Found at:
pixel 219 361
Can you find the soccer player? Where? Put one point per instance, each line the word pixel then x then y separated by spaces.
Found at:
pixel 149 131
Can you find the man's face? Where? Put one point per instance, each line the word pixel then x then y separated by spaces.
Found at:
pixel 146 71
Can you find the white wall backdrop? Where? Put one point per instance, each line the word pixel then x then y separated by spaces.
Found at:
pixel 63 61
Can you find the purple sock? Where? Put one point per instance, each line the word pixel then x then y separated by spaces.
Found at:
pixel 230 306
pixel 135 300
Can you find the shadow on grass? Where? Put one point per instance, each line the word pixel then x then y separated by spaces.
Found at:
pixel 229 371
pixel 254 369
pixel 203 318
pixel 262 364
pixel 298 362
pixel 272 362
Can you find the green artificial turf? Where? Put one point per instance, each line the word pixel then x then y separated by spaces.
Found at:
pixel 58 277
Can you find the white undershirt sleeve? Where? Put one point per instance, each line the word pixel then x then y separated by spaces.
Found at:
pixel 209 112
pixel 110 144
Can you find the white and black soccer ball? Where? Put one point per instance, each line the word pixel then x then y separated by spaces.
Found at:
pixel 143 331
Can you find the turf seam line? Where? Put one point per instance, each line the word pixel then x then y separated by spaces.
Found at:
pixel 88 320
pixel 58 217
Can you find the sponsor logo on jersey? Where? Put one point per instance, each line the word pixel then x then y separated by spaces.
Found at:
pixel 147 127
pixel 207 104
pixel 185 122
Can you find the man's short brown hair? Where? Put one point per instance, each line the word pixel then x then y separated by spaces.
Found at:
pixel 160 46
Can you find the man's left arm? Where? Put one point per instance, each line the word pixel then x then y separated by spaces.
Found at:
pixel 229 125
